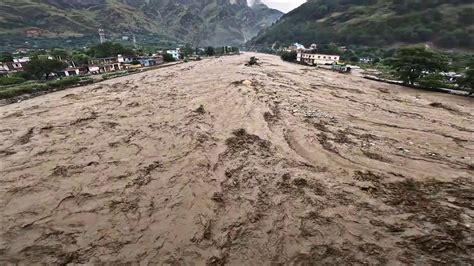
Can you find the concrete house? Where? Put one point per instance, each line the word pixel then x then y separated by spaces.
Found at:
pixel 24 59
pixel 175 53
pixel 13 67
pixel 316 59
pixel 71 72
pixel 296 47
pixel 152 61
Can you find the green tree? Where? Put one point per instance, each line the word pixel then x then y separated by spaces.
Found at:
pixel 168 58
pixel 188 50
pixel 80 59
pixel 109 49
pixel 210 51
pixel 467 82
pixel 289 56
pixel 40 67
pixel 412 62
pixel 6 57
pixel 466 17
pixel 60 54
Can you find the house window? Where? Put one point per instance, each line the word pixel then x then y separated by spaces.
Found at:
pixel 319 56
pixel 324 57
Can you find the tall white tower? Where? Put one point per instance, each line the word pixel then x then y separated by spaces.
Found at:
pixel 102 35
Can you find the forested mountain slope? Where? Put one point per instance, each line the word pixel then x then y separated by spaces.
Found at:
pixel 213 22
pixel 444 23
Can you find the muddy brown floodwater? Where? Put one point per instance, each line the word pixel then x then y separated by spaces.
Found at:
pixel 216 163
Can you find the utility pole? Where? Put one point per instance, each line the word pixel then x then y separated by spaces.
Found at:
pixel 102 35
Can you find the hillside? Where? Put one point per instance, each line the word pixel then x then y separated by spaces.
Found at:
pixel 445 23
pixel 213 22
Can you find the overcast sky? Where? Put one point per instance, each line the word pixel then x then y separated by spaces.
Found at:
pixel 284 5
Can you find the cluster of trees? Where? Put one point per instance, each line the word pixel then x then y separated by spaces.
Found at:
pixel 41 66
pixel 413 63
pixel 288 56
pixel 467 82
pixel 6 57
pixel 420 65
pixel 109 49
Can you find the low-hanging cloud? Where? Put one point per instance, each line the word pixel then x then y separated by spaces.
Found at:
pixel 284 5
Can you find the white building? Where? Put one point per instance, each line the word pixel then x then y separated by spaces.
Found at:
pixel 125 59
pixel 21 60
pixel 72 71
pixel 316 59
pixel 94 69
pixel 175 53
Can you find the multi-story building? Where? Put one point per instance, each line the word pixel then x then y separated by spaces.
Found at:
pixel 316 59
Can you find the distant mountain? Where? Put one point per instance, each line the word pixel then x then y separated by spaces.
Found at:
pixel 444 23
pixel 207 22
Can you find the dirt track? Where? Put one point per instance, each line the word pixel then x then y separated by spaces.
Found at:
pixel 214 162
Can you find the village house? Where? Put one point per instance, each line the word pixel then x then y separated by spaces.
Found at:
pixel 21 51
pixel 125 59
pixel 152 61
pixel 13 67
pixel 108 64
pixel 74 71
pixel 296 47
pixel 93 69
pixel 176 53
pixel 316 59
pixel 24 59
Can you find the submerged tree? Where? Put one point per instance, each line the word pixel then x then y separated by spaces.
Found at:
pixel 6 57
pixel 109 49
